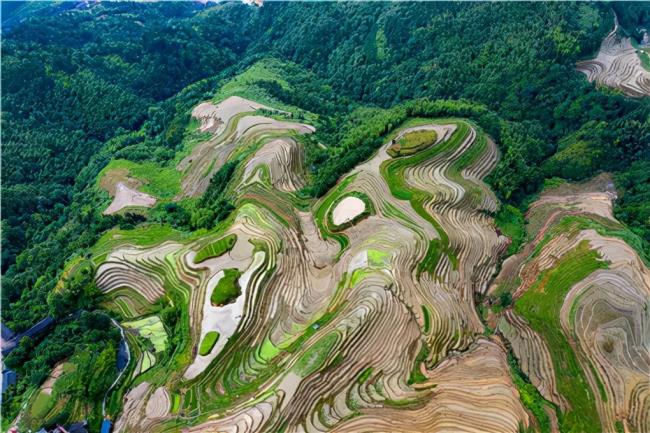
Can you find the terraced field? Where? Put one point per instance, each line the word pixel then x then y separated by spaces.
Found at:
pixel 618 65
pixel 579 322
pixel 357 312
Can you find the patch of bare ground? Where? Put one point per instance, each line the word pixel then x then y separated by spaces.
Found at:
pixel 473 393
pixel 214 118
pixel 377 317
pixel 283 158
pixel 347 209
pixel 158 404
pixel 133 410
pixel 592 197
pixel 56 372
pixel 127 197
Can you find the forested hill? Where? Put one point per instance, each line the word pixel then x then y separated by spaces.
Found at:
pixel 89 84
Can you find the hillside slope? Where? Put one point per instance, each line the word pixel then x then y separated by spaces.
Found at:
pixel 217 220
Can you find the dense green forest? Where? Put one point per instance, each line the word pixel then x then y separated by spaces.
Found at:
pixel 82 86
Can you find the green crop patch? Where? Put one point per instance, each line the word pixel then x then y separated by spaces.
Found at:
pixel 315 356
pixel 572 224
pixel 213 216
pixel 227 289
pixel 378 258
pixel 268 350
pixel 176 403
pixel 530 396
pixel 426 314
pixel 412 142
pixel 208 343
pixel 510 221
pixel 321 214
pixel 364 376
pixel 416 375
pixel 161 182
pixel 393 172
pixel 540 305
pixel 152 329
pixel 41 405
pixel 216 249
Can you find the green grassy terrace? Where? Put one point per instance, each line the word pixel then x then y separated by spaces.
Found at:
pixel 412 142
pixel 216 249
pixel 208 343
pixel 540 306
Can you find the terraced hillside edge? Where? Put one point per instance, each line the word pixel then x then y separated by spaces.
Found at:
pixel 618 65
pixel 311 317
pixel 357 312
pixel 578 323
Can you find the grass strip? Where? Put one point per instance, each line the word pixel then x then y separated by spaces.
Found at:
pixel 540 306
pixel 216 249
pixel 208 342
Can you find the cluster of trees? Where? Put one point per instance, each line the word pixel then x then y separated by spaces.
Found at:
pixel 95 77
pixel 633 17
pixel 214 206
pixel 79 88
pixel 633 207
pixel 76 291
pixel 74 79
pixel 90 335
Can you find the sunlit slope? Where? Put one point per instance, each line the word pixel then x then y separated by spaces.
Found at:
pixel 357 312
pixel 335 325
pixel 579 324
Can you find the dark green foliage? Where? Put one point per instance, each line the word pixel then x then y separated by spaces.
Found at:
pixel 26 285
pixel 75 291
pixel 540 306
pixel 365 375
pixel 170 315
pixel 510 221
pixel 602 146
pixel 88 328
pixel 432 257
pixel 86 333
pixel 632 16
pixel 416 375
pixel 227 289
pixel 363 135
pixel 173 214
pixel 520 68
pixel 218 184
pixel 213 206
pixel 427 318
pixel 505 299
pixel 633 204
pixel 529 395
pixel 71 81
pixel 79 91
